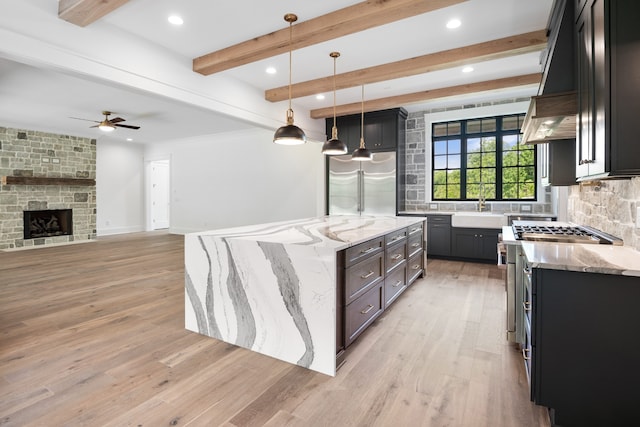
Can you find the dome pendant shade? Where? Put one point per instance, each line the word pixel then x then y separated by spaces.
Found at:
pixel 334 146
pixel 362 154
pixel 290 134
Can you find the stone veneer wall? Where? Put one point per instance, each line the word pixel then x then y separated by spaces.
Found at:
pixel 415 170
pixel 610 207
pixel 41 154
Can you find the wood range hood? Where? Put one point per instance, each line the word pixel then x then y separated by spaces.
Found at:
pixel 550 117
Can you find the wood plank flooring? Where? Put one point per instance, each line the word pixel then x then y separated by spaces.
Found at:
pixel 93 335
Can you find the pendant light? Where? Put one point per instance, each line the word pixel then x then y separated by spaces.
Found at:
pixel 290 134
pixel 362 153
pixel 334 146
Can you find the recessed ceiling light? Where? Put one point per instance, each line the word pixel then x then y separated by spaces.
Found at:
pixel 129 139
pixel 320 97
pixel 175 20
pixel 453 23
pixel 271 70
pixel 467 69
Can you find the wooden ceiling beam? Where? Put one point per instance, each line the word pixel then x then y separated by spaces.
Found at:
pixel 486 51
pixel 85 12
pixel 416 97
pixel 349 20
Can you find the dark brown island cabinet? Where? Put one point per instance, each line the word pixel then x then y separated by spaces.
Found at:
pixel 581 350
pixel 371 276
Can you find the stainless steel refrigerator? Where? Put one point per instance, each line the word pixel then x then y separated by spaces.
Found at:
pixel 362 188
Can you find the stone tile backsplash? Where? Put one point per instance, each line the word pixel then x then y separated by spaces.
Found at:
pixel 610 206
pixel 40 154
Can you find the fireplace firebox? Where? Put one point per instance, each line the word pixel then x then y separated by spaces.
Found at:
pixel 48 223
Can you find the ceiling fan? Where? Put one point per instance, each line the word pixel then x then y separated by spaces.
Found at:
pixel 108 125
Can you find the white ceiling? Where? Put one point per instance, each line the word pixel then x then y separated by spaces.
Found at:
pixel 35 96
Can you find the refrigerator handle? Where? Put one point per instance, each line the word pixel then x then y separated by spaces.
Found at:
pixel 360 191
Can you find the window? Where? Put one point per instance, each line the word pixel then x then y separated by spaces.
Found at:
pixel 483 156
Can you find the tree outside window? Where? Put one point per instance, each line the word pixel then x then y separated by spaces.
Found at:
pixel 487 154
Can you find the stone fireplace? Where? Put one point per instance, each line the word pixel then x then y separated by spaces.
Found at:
pixel 47 223
pixel 42 173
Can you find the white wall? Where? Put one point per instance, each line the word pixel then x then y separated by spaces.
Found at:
pixel 119 187
pixel 240 178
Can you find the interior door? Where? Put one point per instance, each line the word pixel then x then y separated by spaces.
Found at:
pixel 160 194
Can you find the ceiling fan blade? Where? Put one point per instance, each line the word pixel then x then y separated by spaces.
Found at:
pixel 95 126
pixel 127 126
pixel 86 120
pixel 117 120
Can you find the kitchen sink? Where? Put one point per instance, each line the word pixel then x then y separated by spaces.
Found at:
pixel 478 220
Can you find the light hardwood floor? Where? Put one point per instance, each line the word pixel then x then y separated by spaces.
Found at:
pixel 93 335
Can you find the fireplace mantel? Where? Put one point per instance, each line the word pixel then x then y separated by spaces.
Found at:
pixel 36 180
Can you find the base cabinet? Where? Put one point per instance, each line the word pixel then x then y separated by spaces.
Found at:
pixel 439 235
pixel 583 351
pixel 474 243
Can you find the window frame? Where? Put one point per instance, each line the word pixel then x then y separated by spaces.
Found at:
pixel 463 138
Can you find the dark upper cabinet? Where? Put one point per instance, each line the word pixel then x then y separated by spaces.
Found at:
pixel 382 129
pixel 608 49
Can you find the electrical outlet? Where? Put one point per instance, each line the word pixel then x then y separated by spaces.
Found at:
pixel 525 208
pixel 433 206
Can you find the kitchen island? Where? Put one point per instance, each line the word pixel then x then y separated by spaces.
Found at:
pixel 279 288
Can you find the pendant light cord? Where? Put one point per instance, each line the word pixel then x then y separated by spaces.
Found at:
pixel 334 91
pixel 290 49
pixel 362 121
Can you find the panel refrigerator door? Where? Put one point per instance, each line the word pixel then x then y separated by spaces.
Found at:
pixel 379 185
pixel 343 185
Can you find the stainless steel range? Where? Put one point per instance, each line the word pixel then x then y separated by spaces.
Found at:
pixel 538 231
pixel 561 233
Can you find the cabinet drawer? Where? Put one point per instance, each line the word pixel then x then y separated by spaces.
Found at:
pixel 415 229
pixel 415 244
pixel 394 284
pixel 395 256
pixel 362 276
pixel 439 219
pixel 395 237
pixel 415 267
pixel 362 312
pixel 361 251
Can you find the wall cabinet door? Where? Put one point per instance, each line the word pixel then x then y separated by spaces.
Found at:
pixel 608 39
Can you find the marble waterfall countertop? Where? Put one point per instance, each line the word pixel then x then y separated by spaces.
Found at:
pixel 605 259
pixel 271 288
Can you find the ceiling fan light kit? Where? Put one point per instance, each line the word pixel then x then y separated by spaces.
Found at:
pixel 290 134
pixel 334 146
pixel 106 126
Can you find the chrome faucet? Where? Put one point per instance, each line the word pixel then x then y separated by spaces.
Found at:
pixel 481 198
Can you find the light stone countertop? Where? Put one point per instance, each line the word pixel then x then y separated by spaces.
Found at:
pixel 605 259
pixel 336 232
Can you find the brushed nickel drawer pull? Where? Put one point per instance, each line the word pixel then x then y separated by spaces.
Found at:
pixel 526 351
pixel 396 257
pixel 417 267
pixel 413 230
pixel 398 283
pixel 526 305
pixel 397 238
pixel 365 251
pixel 366 276
pixel 415 245
pixel 366 310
